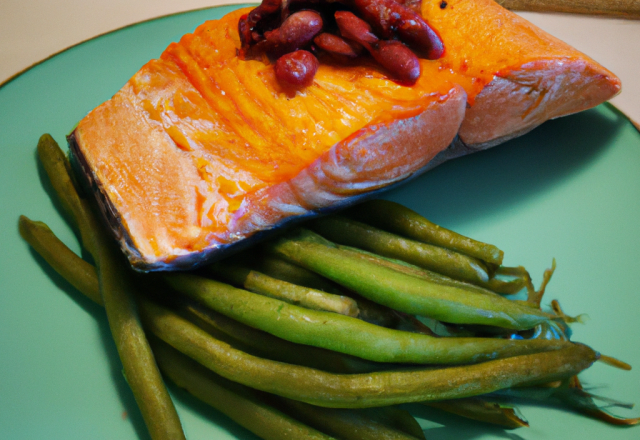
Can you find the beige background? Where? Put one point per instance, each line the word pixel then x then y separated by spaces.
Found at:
pixel 31 30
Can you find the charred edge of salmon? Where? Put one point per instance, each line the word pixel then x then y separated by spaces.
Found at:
pixel 113 220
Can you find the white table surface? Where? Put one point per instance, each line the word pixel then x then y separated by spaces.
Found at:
pixel 32 30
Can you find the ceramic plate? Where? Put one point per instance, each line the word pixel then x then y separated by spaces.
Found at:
pixel 569 190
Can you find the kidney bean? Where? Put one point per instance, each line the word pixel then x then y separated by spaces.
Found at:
pixel 394 56
pixel 267 7
pixel 354 28
pixel 296 70
pixel 299 28
pixel 389 17
pixel 244 30
pixel 296 32
pixel 397 59
pixel 337 46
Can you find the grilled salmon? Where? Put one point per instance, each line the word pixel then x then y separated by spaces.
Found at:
pixel 202 151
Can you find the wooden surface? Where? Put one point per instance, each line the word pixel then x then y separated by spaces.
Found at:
pixel 613 8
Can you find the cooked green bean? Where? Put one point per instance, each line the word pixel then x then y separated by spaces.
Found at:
pixel 348 424
pixel 445 261
pixel 410 269
pixel 361 390
pixel 401 220
pixel 138 362
pixel 235 401
pixel 292 293
pixel 137 359
pixel 258 373
pixel 57 167
pixel 79 273
pixel 280 269
pixel 477 408
pixel 291 273
pixel 345 334
pixel 403 292
pixel 271 347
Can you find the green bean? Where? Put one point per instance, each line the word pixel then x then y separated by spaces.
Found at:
pixel 403 292
pixel 401 220
pixel 259 372
pixel 361 390
pixel 79 273
pixel 271 347
pixel 410 269
pixel 504 287
pixel 57 167
pixel 369 311
pixel 137 359
pixel 445 261
pixel 476 408
pixel 285 271
pixel 349 423
pixel 342 333
pixel 374 313
pixel 235 401
pixel 265 285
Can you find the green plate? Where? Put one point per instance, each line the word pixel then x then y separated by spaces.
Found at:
pixel 569 190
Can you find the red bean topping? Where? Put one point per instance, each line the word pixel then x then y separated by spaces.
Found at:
pixel 244 29
pixel 299 28
pixel 398 59
pixel 354 28
pixel 283 29
pixel 389 17
pixel 264 9
pixel 296 70
pixel 337 46
pixel 394 56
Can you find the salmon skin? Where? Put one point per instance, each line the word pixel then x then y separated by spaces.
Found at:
pixel 201 153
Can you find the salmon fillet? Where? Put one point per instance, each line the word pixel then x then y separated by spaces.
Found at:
pixel 516 75
pixel 201 151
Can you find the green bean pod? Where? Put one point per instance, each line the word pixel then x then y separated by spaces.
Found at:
pixel 268 346
pixel 453 264
pixel 401 220
pixel 259 373
pixel 291 273
pixel 406 293
pixel 345 334
pixel 57 167
pixel 79 273
pixel 361 390
pixel 410 269
pixel 280 269
pixel 292 293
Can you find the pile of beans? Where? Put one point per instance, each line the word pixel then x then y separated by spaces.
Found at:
pixel 295 31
